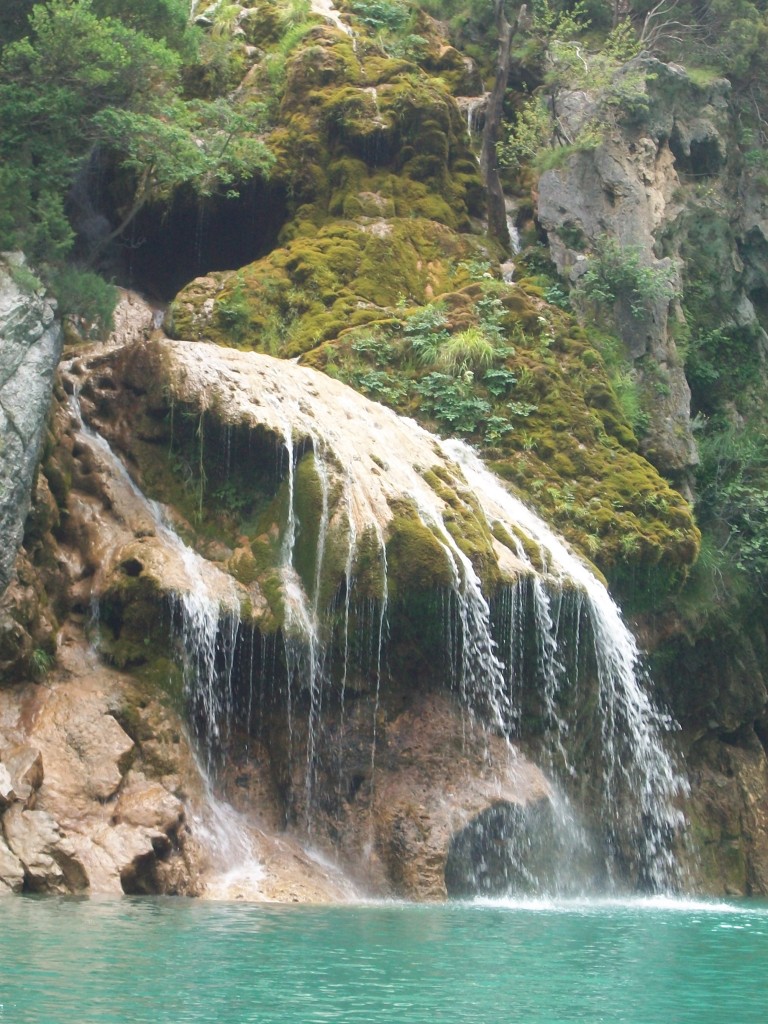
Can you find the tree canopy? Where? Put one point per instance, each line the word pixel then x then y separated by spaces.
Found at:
pixel 82 74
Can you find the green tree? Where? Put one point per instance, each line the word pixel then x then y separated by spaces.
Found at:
pixel 53 82
pixel 208 146
pixel 88 74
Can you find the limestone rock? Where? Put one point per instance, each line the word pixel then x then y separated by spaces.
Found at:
pixel 30 345
pixel 50 862
pixel 102 817
pixel 25 766
pixel 629 189
pixel 7 791
pixel 148 804
pixel 435 783
pixel 11 870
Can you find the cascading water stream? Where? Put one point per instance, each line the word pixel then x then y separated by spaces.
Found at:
pixel 478 672
pixel 519 656
pixel 206 620
pixel 633 755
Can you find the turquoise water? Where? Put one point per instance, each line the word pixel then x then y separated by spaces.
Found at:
pixel 70 961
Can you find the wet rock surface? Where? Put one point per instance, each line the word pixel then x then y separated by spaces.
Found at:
pixel 99 787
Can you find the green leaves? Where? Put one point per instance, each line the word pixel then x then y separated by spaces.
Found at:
pixel 381 14
pixel 53 83
pixel 621 272
pixel 88 297
pixel 733 478
pixel 453 401
pixel 207 145
pixel 100 72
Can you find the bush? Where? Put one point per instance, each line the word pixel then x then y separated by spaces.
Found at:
pixel 87 298
pixel 621 272
pixel 453 401
pixel 470 349
pixel 381 14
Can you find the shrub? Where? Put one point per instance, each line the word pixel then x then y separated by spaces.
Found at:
pixel 87 298
pixel 470 349
pixel 622 272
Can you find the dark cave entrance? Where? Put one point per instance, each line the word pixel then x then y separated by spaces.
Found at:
pixel 701 158
pixel 170 243
pixel 167 246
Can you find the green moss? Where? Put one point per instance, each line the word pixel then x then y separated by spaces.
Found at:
pixel 375 156
pixel 163 675
pixel 271 584
pixel 416 560
pixel 530 549
pixel 466 524
pixel 368 569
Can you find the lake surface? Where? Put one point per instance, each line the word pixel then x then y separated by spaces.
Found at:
pixel 174 961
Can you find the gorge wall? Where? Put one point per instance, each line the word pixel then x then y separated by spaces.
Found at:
pixel 239 570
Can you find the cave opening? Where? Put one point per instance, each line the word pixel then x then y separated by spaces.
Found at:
pixel 702 158
pixel 168 245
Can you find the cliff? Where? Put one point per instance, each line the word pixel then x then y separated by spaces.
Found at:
pixel 375 628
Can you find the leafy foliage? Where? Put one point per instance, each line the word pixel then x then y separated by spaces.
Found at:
pixel 86 296
pixel 619 271
pixel 381 14
pixel 98 73
pixel 733 478
pixel 453 401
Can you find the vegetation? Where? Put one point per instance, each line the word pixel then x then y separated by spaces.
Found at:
pixel 378 277
pixel 621 273
pixel 88 76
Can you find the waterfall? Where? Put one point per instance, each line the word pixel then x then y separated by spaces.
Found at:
pixel 510 210
pixel 478 674
pixel 473 108
pixel 524 649
pixel 205 620
pixel 574 617
pixel 205 608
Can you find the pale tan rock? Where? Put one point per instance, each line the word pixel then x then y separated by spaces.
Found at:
pixel 110 853
pixel 148 804
pixel 436 776
pixel 86 748
pixel 25 767
pixel 49 858
pixel 7 792
pixel 99 824
pixel 11 870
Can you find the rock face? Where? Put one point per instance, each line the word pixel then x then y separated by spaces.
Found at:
pixel 284 487
pixel 30 345
pixel 84 807
pixel 631 188
pixel 99 791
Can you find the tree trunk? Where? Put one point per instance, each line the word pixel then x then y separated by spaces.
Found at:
pixel 489 166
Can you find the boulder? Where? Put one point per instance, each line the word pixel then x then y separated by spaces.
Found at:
pixel 11 870
pixel 7 791
pixel 50 862
pixel 146 803
pixel 441 781
pixel 24 765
